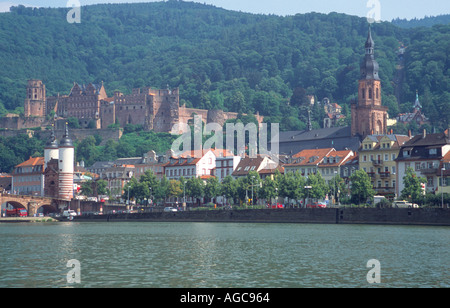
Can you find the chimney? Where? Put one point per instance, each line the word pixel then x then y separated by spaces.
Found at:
pixel 424 133
pixel 409 134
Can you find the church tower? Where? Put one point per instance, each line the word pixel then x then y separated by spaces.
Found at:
pixel 368 115
pixel 35 101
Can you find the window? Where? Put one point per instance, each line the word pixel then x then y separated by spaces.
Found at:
pixel 417 166
pixel 433 151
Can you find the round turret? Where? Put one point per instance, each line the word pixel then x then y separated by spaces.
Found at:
pixel 51 149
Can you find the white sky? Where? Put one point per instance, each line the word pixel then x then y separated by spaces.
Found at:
pixel 388 9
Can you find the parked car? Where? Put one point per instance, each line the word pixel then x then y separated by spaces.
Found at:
pixel 69 213
pixel 276 206
pixel 402 204
pixel 315 205
pixel 170 209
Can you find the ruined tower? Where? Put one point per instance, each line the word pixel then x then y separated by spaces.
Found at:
pixel 35 101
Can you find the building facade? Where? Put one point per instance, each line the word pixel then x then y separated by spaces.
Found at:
pixel 424 154
pixel 377 157
pixel 28 177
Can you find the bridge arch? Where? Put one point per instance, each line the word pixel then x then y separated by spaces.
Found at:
pixel 47 209
pixel 32 204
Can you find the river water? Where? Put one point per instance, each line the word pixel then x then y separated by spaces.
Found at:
pixel 222 255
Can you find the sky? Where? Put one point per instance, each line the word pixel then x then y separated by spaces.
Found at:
pixel 384 10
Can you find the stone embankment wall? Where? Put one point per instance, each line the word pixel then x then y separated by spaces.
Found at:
pixel 436 217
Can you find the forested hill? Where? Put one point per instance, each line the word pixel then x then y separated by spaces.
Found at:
pixel 220 59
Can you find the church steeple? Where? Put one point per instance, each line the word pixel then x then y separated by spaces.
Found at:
pixel 370 67
pixel 369 116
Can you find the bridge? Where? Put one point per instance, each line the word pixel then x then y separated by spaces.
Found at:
pixel 33 203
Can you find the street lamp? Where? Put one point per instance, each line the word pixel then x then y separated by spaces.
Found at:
pixel 184 194
pixel 307 198
pixel 128 201
pixel 442 185
pixel 252 188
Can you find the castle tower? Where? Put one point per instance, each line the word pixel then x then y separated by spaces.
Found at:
pixel 66 166
pixel 35 101
pixel 51 150
pixel 368 114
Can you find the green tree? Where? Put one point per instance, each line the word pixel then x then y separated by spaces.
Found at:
pixel 229 189
pixel 269 189
pixel 175 189
pixel 87 188
pixel 361 189
pixel 212 188
pixel 413 189
pixel 162 190
pixel 101 187
pixel 319 187
pixel 336 187
pixel 195 188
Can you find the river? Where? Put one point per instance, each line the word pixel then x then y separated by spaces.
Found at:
pixel 222 255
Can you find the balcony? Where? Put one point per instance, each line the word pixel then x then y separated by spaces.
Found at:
pixel 371 174
pixel 377 162
pixel 429 171
pixel 384 189
pixel 430 168
pixel 385 174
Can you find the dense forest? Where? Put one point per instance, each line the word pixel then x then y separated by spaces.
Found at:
pixel 223 59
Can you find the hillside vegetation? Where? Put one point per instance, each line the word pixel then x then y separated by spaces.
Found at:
pixel 221 59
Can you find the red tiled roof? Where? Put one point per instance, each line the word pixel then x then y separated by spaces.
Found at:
pixel 33 161
pixel 311 157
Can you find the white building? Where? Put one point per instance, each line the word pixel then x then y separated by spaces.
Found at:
pixel 423 154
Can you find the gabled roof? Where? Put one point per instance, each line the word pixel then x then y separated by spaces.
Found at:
pixel 32 161
pixel 421 140
pixel 309 157
pixel 338 158
pixel 248 164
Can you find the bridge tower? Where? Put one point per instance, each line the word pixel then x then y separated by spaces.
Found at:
pixel 51 149
pixel 66 166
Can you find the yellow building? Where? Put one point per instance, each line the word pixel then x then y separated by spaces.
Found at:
pixel 377 158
